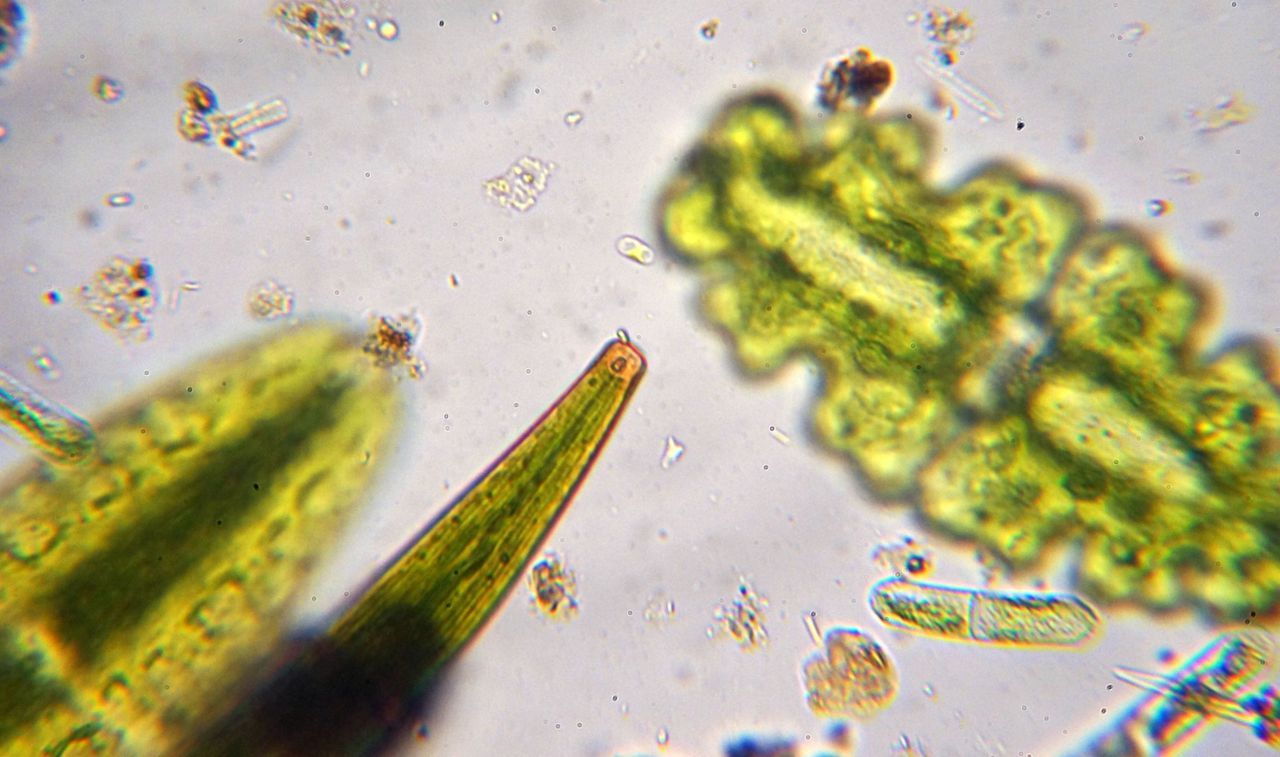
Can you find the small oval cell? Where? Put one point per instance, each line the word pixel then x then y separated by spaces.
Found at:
pixel 634 248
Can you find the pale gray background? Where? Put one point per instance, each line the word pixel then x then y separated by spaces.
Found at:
pixel 444 108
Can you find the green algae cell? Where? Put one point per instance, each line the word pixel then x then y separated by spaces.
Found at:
pixel 54 432
pixel 138 586
pixel 1022 375
pixel 1003 618
pixel 144 591
pixel 350 689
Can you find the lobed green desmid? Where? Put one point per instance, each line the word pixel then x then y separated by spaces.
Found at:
pixel 138 587
pixel 1024 376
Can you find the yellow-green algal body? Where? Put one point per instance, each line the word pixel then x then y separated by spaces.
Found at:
pixel 144 588
pixel 1021 374
pixel 351 689
pixel 141 585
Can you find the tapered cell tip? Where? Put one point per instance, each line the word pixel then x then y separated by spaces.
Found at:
pixel 624 360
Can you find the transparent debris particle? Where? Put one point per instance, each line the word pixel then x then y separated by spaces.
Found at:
pixel 634 248
pixel 363 69
pixel 388 29
pixel 941 101
pixel 122 296
pixel 44 363
pixel 742 619
pixel 553 588
pixel 659 610
pixel 908 747
pixel 904 558
pixel 270 300
pixel 672 451
pixel 855 80
pixel 521 185
pixel 258 116
pixel 573 118
pixel 1183 176
pixel 1157 208
pixel 663 737
pixel 199 98
pixel 1228 111
pixel 52 297
pixel 106 89
pixel 852 677
pixel 495 17
pixel 780 436
pixel 202 121
pixel 12 31
pixel 964 91
pixel 391 342
pixel 1178 705
pixel 175 295
pixel 947 26
pixel 1131 33
pixel 949 30
pixel 991 567
pixel 709 28
pixel 118 200
pixel 324 26
pixel 4 131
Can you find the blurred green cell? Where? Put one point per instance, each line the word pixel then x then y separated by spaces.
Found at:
pixel 1022 375
pixel 138 586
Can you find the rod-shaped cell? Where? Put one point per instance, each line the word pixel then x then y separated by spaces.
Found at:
pixel 54 432
pixel 1013 618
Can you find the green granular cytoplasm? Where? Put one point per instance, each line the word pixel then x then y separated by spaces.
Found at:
pixel 140 586
pixel 1022 375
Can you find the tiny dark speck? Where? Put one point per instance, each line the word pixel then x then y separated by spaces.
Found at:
pixel 255 487
pixel 1021 124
